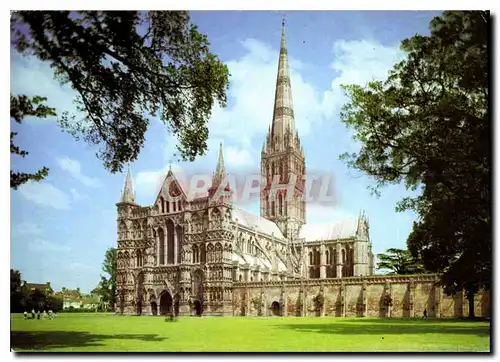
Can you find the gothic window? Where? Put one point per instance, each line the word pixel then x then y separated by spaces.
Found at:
pixel 168 207
pixel 161 246
pixel 138 259
pixel 218 252
pixel 286 208
pixel 272 208
pixel 327 256
pixel 196 254
pixel 180 239
pixel 280 202
pixel 162 202
pixel 203 256
pixel 127 259
pixel 343 256
pixel 173 206
pixel 170 242
pixel 310 258
pixel 179 205
pixel 210 253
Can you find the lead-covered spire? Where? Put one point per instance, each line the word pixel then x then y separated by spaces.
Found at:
pixel 128 194
pixel 283 115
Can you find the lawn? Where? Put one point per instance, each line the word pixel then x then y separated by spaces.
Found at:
pixel 100 333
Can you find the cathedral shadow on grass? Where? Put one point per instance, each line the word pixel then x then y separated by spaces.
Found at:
pixel 46 340
pixel 387 328
pixel 443 322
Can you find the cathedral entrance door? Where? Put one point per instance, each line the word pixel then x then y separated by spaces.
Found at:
pixel 275 308
pixel 166 303
pixel 197 308
pixel 154 308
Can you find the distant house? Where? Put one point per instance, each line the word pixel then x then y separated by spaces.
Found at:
pixel 46 288
pixel 71 298
pixel 91 302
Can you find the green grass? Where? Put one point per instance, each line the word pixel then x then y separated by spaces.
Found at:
pixel 98 332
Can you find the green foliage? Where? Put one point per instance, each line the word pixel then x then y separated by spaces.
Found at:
pixel 428 126
pixel 107 286
pixel 387 300
pixel 128 66
pixel 20 107
pixel 399 261
pixel 319 301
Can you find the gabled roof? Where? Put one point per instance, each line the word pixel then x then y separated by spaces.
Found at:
pixel 256 222
pixel 340 229
pixel 174 183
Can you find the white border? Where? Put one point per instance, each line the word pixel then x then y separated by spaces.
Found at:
pixel 193 5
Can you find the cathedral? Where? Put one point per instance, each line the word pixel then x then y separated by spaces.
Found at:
pixel 185 256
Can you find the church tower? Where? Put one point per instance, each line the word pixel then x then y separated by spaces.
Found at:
pixel 282 158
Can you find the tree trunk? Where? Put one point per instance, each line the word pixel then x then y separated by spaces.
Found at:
pixel 470 298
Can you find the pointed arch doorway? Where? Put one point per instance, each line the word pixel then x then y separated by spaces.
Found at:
pixel 166 303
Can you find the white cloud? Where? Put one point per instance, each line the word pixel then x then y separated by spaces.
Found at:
pixel 43 245
pixel 317 213
pixel 357 62
pixel 28 228
pixel 32 77
pixel 76 195
pixel 45 194
pixel 237 156
pixel 74 169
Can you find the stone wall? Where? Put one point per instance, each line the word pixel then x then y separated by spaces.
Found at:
pixel 409 296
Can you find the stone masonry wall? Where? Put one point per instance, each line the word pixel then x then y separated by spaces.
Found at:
pixel 355 297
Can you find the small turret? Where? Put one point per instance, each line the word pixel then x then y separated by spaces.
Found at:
pixel 219 176
pixel 128 194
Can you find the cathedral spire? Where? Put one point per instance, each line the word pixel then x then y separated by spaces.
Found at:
pixel 283 117
pixel 128 194
pixel 220 173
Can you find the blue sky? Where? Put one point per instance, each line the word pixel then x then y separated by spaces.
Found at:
pixel 61 227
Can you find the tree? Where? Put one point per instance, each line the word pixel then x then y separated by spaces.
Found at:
pixel 21 107
pixel 398 261
pixel 107 286
pixel 16 292
pixel 428 126
pixel 126 66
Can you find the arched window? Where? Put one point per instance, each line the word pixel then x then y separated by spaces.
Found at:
pixel 196 255
pixel 280 202
pixel 170 242
pixel 162 202
pixel 173 206
pixel 240 278
pixel 138 259
pixel 161 246
pixel 179 205
pixel 310 258
pixel 180 237
pixel 168 207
